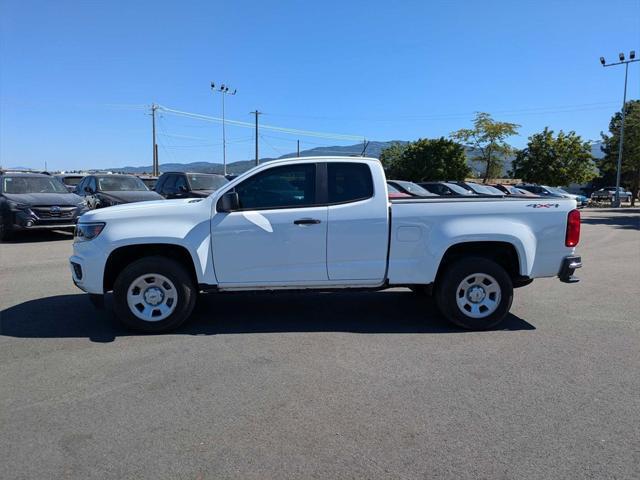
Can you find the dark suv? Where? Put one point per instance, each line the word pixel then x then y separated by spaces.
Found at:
pixel 33 201
pixel 188 185
pixel 106 190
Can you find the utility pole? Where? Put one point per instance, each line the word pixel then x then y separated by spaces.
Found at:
pixel 155 170
pixel 298 148
pixel 632 58
pixel 224 91
pixel 256 113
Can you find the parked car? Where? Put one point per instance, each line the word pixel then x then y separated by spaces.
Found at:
pixel 393 192
pixel 445 189
pixel 107 190
pixel 546 191
pixel 189 185
pixel 410 188
pixel 70 180
pixel 480 189
pixel 511 190
pixel 33 201
pixel 540 190
pixel 321 223
pixel 581 200
pixel 149 180
pixel 607 194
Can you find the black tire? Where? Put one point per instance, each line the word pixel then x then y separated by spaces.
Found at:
pixel 5 233
pixel 446 292
pixel 420 290
pixel 176 273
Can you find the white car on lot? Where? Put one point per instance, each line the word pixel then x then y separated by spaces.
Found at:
pixel 323 224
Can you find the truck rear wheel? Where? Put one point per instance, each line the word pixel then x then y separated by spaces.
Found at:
pixel 154 295
pixel 474 293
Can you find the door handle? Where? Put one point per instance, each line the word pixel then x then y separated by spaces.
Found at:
pixel 306 221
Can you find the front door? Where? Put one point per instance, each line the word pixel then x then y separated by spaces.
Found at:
pixel 279 234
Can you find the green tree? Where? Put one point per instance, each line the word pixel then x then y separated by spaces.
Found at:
pixel 630 172
pixel 487 139
pixel 554 160
pixel 426 159
pixel 392 155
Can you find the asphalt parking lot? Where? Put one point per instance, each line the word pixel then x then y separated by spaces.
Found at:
pixel 327 385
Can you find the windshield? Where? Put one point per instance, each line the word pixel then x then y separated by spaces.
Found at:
pixel 206 182
pixel 120 184
pixel 458 189
pixel 32 185
pixel 71 181
pixel 414 189
pixel 557 190
pixel 484 189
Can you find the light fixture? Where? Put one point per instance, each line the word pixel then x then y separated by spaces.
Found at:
pixel 632 54
pixel 602 61
pixel 621 56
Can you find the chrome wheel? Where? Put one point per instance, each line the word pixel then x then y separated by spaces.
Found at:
pixel 152 297
pixel 478 295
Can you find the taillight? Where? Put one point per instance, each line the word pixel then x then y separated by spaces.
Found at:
pixel 573 229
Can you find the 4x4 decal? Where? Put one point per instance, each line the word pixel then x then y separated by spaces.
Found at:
pixel 543 205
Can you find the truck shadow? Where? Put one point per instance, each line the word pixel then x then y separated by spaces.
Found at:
pixel 398 311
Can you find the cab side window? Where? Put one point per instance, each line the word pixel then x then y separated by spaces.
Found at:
pixel 288 186
pixel 349 182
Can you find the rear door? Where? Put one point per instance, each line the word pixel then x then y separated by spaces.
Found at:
pixel 358 236
pixel 279 235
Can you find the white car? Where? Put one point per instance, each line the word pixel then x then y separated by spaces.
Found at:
pixel 323 224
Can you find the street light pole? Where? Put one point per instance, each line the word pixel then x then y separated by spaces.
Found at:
pixel 223 90
pixel 632 58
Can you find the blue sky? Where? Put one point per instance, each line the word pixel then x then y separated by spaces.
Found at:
pixel 75 76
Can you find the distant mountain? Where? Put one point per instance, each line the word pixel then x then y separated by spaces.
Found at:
pixel 373 150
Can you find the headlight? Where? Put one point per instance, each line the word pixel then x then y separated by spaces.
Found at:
pixel 82 204
pixel 87 231
pixel 15 206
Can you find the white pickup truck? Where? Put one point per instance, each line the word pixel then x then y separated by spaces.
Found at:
pixel 322 223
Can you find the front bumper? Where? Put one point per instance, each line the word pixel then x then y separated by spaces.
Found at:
pixel 569 265
pixel 33 220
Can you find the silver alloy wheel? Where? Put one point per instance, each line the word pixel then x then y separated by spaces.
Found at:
pixel 152 297
pixel 478 295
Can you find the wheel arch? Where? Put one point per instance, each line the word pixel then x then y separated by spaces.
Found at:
pixel 122 256
pixel 502 252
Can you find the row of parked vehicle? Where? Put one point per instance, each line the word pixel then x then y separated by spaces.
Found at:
pixel 42 201
pixel 402 188
pixel 33 201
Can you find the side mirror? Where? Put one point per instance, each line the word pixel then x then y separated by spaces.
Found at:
pixel 182 188
pixel 88 189
pixel 229 202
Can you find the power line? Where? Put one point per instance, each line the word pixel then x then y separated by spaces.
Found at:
pixel 293 131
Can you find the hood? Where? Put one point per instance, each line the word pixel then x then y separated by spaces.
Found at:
pixel 59 199
pixel 131 196
pixel 161 208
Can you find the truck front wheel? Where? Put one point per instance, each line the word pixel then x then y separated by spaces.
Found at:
pixel 154 295
pixel 474 293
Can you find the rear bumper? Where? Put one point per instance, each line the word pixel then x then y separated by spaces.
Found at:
pixel 569 265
